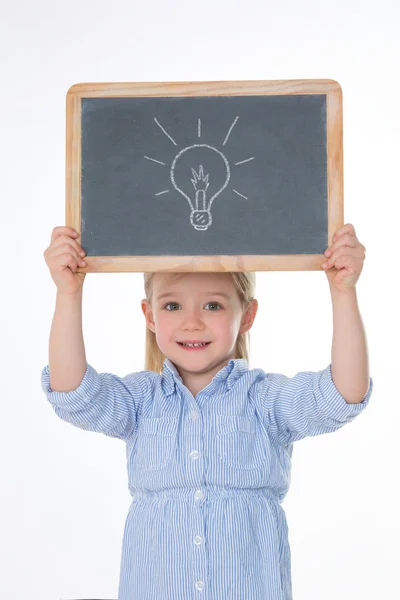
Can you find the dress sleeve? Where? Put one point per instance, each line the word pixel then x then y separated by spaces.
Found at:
pixel 102 402
pixel 307 404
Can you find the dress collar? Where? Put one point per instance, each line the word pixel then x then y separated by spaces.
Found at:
pixel 235 368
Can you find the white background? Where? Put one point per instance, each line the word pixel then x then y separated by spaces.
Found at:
pixel 64 497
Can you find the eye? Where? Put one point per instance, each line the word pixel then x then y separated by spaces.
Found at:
pixel 177 304
pixel 215 304
pixel 171 303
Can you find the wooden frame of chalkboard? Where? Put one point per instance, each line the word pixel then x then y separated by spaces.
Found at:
pixel 295 242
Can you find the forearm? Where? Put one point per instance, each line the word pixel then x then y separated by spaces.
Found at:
pixel 350 369
pixel 67 357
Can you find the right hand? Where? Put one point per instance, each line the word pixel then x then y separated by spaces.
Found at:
pixel 63 259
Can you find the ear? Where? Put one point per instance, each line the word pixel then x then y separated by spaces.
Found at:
pixel 249 316
pixel 148 313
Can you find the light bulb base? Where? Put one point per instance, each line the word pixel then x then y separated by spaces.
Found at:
pixel 201 219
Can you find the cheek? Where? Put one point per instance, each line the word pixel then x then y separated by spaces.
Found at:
pixel 225 326
pixel 164 326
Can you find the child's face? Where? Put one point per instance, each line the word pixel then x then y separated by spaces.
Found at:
pixel 192 310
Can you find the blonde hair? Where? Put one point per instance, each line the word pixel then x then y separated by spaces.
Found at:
pixel 245 284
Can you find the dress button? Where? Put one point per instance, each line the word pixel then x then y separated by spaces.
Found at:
pixel 194 454
pixel 198 495
pixel 198 540
pixel 199 585
pixel 194 415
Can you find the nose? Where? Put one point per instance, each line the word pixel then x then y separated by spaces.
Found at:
pixel 192 320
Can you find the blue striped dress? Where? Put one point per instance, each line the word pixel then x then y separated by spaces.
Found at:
pixel 207 474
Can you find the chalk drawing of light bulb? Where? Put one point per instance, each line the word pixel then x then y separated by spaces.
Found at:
pixel 200 216
pixel 204 168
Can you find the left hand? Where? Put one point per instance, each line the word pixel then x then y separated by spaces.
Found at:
pixel 344 259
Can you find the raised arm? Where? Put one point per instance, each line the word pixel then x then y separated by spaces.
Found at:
pixel 67 356
pixel 350 370
pixel 313 403
pixel 100 402
pixel 343 267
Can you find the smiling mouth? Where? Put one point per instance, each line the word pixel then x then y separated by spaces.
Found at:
pixel 197 346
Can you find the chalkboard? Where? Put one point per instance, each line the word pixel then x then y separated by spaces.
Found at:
pixel 206 176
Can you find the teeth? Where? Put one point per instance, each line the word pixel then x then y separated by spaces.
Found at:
pixel 193 345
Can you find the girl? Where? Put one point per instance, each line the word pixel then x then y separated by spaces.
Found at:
pixel 209 441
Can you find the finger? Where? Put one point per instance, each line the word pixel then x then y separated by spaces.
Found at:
pixel 53 254
pixel 63 261
pixel 72 264
pixel 348 262
pixel 356 252
pixel 65 239
pixel 347 228
pixel 65 249
pixel 63 230
pixel 344 251
pixel 345 240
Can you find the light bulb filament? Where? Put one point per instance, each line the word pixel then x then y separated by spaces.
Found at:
pixel 201 184
pixel 201 197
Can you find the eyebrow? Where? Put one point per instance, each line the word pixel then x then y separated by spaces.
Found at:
pixel 168 294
